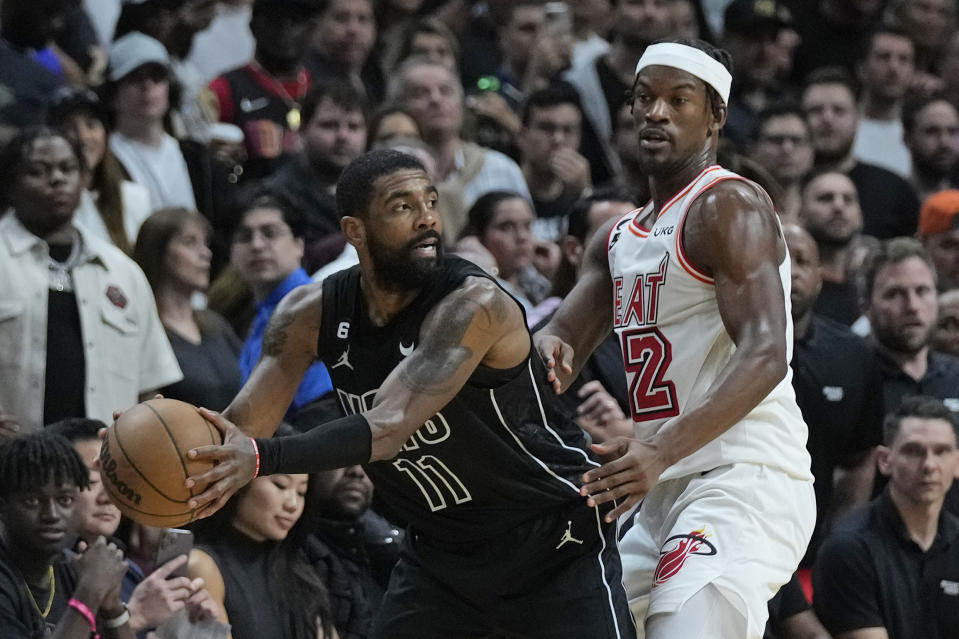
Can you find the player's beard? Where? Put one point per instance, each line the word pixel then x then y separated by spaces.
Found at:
pixel 398 270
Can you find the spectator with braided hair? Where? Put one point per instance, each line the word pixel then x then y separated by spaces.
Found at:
pixel 40 475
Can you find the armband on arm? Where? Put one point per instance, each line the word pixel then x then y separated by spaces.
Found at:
pixel 343 442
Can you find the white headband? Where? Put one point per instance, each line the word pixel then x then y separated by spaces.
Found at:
pixel 690 60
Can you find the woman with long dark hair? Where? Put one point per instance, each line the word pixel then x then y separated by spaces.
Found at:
pixel 172 249
pixel 502 221
pixel 250 556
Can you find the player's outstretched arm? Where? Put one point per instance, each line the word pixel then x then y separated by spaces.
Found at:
pixel 289 349
pixel 584 318
pixel 732 233
pixel 477 323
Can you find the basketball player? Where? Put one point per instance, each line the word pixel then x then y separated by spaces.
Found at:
pixel 451 416
pixel 696 285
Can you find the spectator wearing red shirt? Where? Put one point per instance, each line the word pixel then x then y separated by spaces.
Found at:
pixel 264 97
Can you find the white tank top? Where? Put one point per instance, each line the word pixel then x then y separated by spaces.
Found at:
pixel 675 345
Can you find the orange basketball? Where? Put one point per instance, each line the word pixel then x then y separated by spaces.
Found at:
pixel 143 462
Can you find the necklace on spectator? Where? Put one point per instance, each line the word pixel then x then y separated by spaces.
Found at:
pixel 59 272
pixel 53 589
pixel 302 82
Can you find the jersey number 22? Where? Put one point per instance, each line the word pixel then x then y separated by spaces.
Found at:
pixel 647 355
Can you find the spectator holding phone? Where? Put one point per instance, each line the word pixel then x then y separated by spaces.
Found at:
pixel 150 600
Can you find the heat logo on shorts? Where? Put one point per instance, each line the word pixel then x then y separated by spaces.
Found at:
pixel 675 551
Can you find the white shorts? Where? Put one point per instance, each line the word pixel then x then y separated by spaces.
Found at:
pixel 742 528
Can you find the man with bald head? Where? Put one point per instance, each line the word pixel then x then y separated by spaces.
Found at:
pixel 836 377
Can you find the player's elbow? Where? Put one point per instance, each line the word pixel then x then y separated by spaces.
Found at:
pixel 771 362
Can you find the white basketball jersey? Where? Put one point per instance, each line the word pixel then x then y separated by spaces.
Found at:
pixel 675 345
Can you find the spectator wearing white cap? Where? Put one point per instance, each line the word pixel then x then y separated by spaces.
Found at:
pixel 140 91
pixel 176 173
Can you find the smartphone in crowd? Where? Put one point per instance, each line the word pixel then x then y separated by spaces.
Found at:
pixel 172 543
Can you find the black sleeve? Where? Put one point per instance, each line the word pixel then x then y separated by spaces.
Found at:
pixel 868 429
pixel 845 585
pixel 346 441
pixel 12 613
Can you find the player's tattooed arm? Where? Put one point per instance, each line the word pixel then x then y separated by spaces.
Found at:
pixel 476 324
pixel 289 348
pixel 277 333
pixel 430 369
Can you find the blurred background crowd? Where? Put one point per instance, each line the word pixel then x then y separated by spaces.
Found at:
pixel 169 172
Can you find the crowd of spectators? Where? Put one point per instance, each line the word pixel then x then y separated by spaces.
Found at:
pixel 169 172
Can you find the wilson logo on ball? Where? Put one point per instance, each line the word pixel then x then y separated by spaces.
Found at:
pixel 108 466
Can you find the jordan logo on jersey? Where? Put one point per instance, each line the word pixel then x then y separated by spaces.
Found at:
pixel 567 537
pixel 344 360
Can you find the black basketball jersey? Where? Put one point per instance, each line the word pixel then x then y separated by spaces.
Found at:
pixel 497 454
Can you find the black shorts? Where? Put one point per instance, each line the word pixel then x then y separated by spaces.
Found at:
pixel 556 576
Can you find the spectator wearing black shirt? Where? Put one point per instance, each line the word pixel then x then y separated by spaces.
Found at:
pixel 899 293
pixel 554 170
pixel 889 205
pixel 931 132
pixel 357 548
pixel 333 135
pixel 892 569
pixel 172 249
pixel 264 97
pixel 41 597
pixel 251 555
pixel 829 210
pixel 838 388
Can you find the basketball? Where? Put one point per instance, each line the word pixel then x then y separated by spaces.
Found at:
pixel 143 462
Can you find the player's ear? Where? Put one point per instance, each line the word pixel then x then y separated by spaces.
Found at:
pixel 718 119
pixel 354 230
